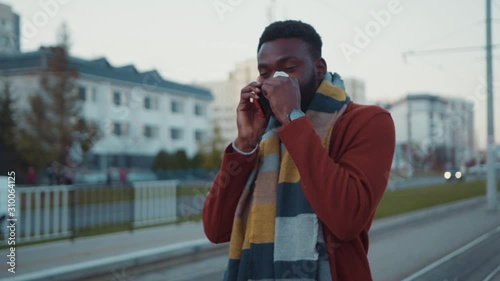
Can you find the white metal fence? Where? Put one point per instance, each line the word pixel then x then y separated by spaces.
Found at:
pixel 155 202
pixel 49 212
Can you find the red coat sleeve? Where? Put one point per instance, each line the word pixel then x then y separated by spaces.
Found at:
pixel 220 204
pixel 344 194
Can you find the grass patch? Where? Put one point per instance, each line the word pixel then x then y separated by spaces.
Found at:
pixel 192 191
pixel 406 200
pixel 81 196
pixel 104 195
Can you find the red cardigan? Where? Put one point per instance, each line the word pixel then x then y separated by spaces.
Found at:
pixel 343 188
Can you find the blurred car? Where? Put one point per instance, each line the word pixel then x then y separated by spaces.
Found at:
pixel 454 174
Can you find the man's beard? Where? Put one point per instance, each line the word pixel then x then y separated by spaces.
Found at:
pixel 307 91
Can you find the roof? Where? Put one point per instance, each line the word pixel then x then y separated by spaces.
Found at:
pixel 100 69
pixel 418 96
pixel 426 96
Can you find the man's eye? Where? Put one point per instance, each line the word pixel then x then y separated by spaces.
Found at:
pixel 264 75
pixel 289 69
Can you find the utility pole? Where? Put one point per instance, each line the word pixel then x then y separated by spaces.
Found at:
pixel 491 180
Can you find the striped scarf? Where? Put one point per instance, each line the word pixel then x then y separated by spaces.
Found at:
pixel 276 234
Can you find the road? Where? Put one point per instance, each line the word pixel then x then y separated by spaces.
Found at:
pixel 477 260
pixel 397 253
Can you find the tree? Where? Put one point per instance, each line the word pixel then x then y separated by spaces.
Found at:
pixel 10 157
pixel 54 118
pixel 180 160
pixel 7 123
pixel 197 160
pixel 212 151
pixel 64 37
pixel 162 161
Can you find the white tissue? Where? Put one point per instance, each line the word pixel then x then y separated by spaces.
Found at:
pixel 280 73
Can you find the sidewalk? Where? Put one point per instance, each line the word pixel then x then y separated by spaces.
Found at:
pixel 63 256
pixel 118 250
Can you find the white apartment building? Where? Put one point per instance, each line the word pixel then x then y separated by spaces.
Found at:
pixel 9 30
pixel 227 96
pixel 355 88
pixel 140 113
pixel 224 108
pixel 432 132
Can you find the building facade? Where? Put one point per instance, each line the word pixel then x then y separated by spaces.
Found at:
pixel 356 89
pixel 227 96
pixel 432 132
pixel 9 30
pixel 139 113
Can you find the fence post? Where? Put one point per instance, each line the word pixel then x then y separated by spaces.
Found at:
pixel 74 211
pixel 131 198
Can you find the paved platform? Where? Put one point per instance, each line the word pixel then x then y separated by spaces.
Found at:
pixel 63 256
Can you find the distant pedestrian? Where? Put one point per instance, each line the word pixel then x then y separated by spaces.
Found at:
pixel 108 177
pixel 31 175
pixel 68 176
pixel 123 175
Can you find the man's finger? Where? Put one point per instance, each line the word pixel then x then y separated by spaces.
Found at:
pixel 247 96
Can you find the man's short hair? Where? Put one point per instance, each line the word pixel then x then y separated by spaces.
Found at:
pixel 293 29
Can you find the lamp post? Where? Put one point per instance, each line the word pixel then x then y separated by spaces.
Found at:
pixel 491 182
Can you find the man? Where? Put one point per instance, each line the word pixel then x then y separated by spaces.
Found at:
pixel 297 191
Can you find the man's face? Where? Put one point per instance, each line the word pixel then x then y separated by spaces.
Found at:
pixel 292 56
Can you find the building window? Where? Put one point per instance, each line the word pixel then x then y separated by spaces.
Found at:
pixel 150 131
pixel 117 98
pixel 82 93
pixel 177 106
pixel 151 102
pixel 94 94
pixel 176 133
pixel 115 161
pixel 199 135
pixel 199 110
pixel 120 129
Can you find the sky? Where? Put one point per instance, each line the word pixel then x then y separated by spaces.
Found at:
pixel 202 40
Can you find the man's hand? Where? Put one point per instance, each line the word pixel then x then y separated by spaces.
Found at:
pixel 283 94
pixel 250 125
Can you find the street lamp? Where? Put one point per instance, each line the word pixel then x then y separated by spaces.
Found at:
pixel 491 181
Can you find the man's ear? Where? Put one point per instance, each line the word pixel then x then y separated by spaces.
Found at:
pixel 321 69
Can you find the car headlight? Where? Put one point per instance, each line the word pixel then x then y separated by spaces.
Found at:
pixel 447 175
pixel 458 175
